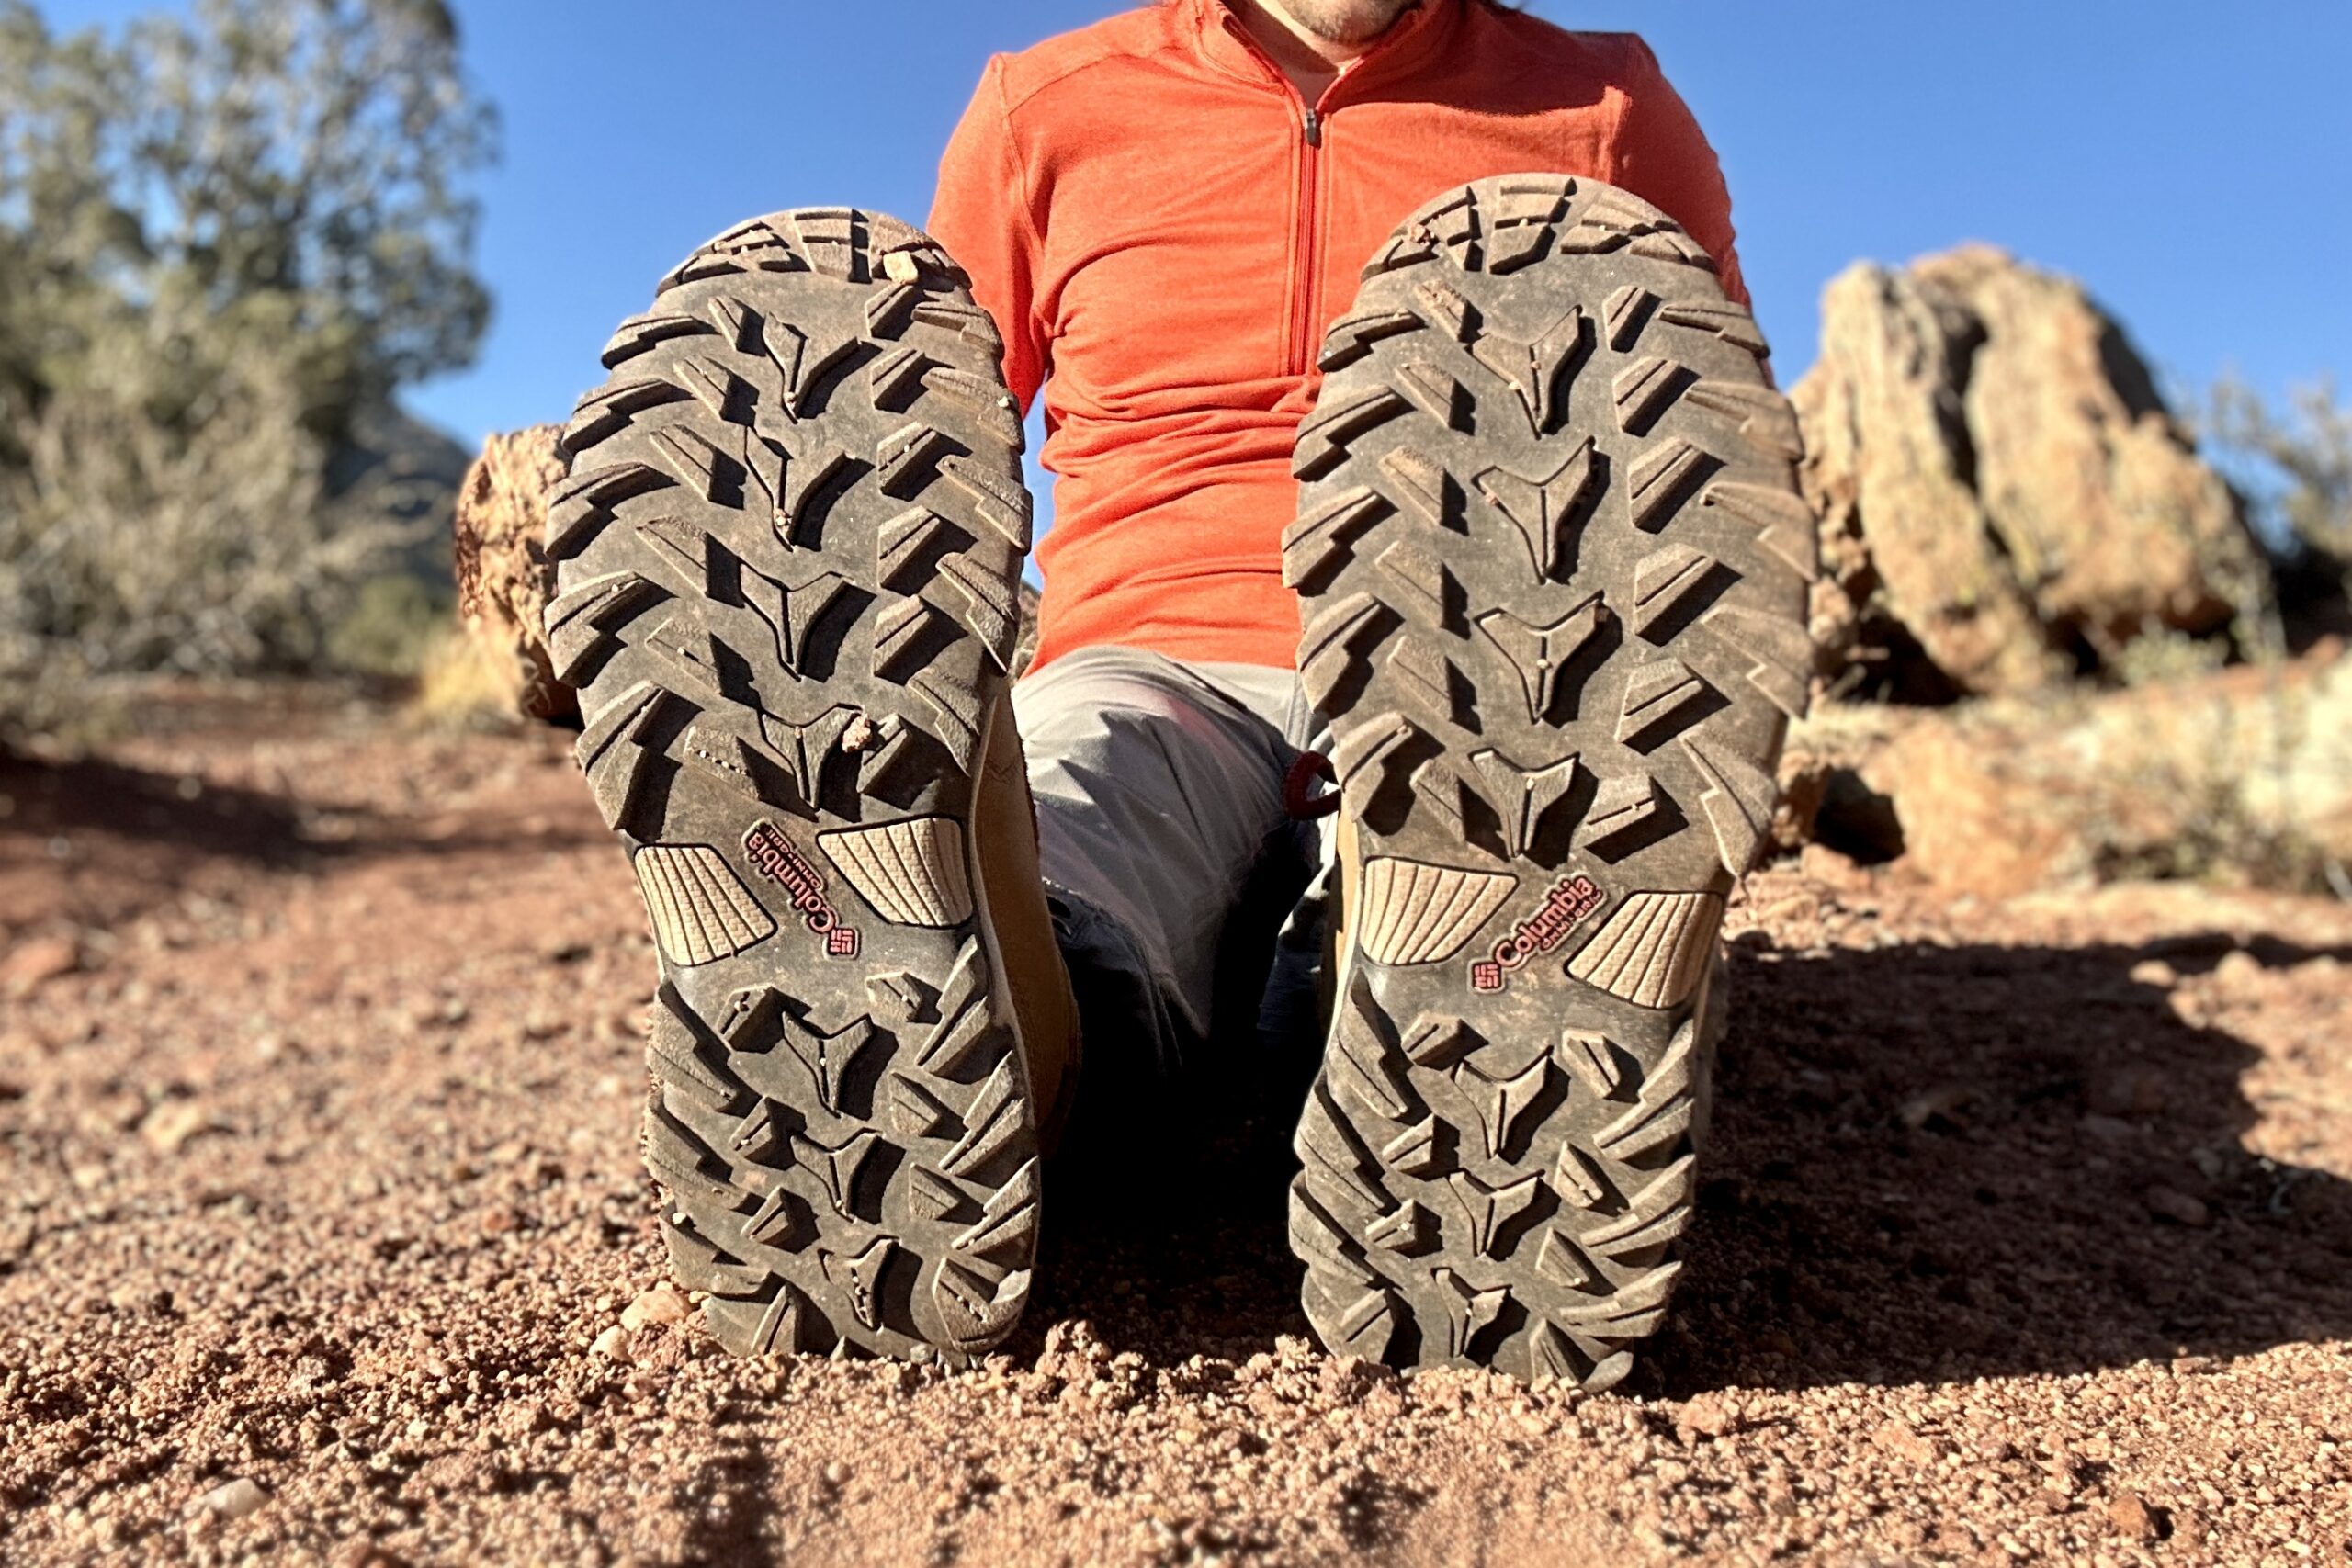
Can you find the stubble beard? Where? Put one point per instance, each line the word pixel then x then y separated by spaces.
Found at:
pixel 1346 21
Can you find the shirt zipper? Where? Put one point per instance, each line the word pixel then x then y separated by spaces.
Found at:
pixel 1307 232
pixel 1309 240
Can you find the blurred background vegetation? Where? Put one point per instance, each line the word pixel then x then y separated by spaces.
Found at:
pixel 234 232
pixel 2292 467
pixel 227 239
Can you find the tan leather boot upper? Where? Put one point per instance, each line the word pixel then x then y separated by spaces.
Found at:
pixel 1004 833
pixel 1339 918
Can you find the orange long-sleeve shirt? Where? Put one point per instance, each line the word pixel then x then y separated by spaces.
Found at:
pixel 1163 229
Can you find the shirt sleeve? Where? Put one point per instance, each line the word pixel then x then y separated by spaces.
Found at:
pixel 981 214
pixel 1663 157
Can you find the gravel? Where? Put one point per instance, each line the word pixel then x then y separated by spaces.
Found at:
pixel 2027 1236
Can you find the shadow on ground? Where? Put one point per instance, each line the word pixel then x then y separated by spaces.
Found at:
pixel 1929 1164
pixel 166 813
pixel 177 818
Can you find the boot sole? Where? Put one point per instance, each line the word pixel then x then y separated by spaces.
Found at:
pixel 1554 570
pixel 786 556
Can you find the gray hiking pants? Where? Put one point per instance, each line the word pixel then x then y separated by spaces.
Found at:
pixel 1186 899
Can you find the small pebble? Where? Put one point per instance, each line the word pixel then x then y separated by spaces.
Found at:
pixel 2179 1207
pixel 2132 1517
pixel 659 1305
pixel 2237 968
pixel 35 964
pixel 173 1123
pixel 232 1499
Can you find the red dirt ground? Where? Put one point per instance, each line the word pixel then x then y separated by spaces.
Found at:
pixel 2027 1236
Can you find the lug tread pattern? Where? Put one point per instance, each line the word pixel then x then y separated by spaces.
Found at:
pixel 787 554
pixel 1552 570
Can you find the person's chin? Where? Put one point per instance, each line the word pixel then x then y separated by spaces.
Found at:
pixel 1352 24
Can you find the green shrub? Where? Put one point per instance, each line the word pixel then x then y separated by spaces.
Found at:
pixel 226 240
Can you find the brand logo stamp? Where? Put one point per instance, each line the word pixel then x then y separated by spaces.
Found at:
pixel 1570 901
pixel 775 857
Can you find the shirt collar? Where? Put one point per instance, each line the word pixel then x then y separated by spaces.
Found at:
pixel 1225 44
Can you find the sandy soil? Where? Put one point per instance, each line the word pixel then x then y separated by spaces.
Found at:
pixel 2028 1236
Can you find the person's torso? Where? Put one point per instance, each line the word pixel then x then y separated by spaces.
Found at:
pixel 1203 226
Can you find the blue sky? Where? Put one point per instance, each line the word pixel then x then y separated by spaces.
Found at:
pixel 2187 161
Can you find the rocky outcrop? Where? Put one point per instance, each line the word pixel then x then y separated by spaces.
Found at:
pixel 503 575
pixel 2243 775
pixel 2006 500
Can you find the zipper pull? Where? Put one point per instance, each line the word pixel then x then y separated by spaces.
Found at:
pixel 1313 129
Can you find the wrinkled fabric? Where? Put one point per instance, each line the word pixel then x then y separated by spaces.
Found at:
pixel 1140 208
pixel 1159 787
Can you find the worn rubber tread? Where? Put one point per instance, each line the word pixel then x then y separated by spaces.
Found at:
pixel 1555 620
pixel 787 560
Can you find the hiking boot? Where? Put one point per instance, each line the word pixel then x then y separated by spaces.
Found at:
pixel 786 557
pixel 1554 571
